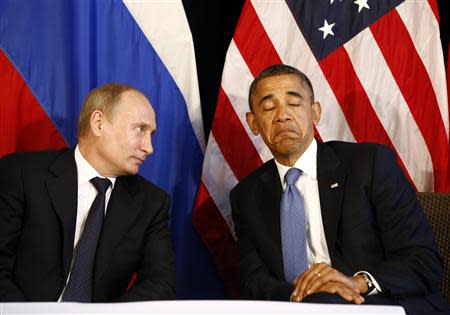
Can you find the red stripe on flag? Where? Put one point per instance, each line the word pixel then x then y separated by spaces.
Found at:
pixel 24 125
pixel 350 94
pixel 255 45
pixel 233 140
pixel 448 92
pixel 338 69
pixel 253 42
pixel 216 235
pixel 448 84
pixel 412 78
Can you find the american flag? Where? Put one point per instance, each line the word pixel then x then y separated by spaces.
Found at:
pixel 378 71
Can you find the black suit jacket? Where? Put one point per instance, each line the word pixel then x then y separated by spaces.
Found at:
pixel 372 222
pixel 38 205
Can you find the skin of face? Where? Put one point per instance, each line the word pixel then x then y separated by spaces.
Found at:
pixel 123 141
pixel 284 115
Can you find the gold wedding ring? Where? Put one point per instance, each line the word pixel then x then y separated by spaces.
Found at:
pixel 317 274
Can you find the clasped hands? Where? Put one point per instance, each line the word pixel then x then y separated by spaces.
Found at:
pixel 323 278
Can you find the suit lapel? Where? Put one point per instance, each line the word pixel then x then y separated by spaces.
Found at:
pixel 270 191
pixel 123 207
pixel 331 179
pixel 62 190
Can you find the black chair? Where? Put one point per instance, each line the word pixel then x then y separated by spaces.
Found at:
pixel 437 209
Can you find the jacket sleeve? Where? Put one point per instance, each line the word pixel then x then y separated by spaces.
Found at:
pixel 257 281
pixel 412 265
pixel 11 213
pixel 156 279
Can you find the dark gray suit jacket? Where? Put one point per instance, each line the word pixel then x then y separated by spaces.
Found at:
pixel 372 222
pixel 38 205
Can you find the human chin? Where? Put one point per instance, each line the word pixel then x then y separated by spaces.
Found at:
pixel 133 166
pixel 131 169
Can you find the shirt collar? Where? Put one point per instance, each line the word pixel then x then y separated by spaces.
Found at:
pixel 307 163
pixel 86 171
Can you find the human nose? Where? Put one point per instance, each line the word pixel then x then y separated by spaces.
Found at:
pixel 147 145
pixel 281 113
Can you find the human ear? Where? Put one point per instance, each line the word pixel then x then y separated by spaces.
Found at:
pixel 317 111
pixel 96 122
pixel 251 121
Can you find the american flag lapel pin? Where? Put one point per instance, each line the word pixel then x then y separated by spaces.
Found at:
pixel 334 185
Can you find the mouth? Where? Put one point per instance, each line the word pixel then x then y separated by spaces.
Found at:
pixel 285 133
pixel 139 160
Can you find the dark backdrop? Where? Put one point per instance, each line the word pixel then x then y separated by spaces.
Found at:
pixel 212 24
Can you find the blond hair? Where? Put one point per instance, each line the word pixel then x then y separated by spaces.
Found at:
pixel 104 99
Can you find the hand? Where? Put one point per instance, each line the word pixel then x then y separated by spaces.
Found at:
pixel 345 292
pixel 322 278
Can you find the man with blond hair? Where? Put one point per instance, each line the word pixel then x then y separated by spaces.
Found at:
pixel 76 224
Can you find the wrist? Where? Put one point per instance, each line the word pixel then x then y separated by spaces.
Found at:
pixel 361 283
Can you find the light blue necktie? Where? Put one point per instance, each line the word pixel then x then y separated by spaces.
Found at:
pixel 293 228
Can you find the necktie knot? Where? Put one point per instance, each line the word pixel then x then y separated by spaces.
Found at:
pixel 292 175
pixel 101 184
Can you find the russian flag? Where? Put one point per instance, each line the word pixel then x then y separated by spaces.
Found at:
pixel 52 53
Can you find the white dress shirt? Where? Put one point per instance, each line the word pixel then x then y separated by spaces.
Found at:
pixel 308 187
pixel 86 195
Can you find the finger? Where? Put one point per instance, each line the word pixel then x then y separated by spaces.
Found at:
pixel 301 281
pixel 347 293
pixel 331 274
pixel 351 296
pixel 305 278
pixel 322 275
pixel 296 294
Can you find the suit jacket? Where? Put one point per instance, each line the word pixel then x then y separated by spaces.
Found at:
pixel 372 222
pixel 38 206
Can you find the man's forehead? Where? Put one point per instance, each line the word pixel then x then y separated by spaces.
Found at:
pixel 136 109
pixel 133 100
pixel 289 84
pixel 289 81
pixel 132 96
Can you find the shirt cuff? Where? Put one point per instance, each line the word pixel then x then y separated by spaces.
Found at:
pixel 375 283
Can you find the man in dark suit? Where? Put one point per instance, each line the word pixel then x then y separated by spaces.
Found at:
pixel 52 248
pixel 361 235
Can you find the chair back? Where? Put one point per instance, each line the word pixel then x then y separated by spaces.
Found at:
pixel 437 209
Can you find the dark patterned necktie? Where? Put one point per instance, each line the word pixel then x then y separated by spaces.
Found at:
pixel 293 228
pixel 79 288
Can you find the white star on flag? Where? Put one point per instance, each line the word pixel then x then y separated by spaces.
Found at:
pixel 361 4
pixel 326 29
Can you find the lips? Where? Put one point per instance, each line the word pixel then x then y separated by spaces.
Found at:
pixel 139 160
pixel 280 132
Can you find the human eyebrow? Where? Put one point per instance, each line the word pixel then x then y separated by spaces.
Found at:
pixel 264 98
pixel 144 126
pixel 141 125
pixel 293 93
